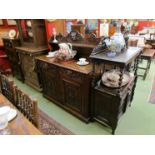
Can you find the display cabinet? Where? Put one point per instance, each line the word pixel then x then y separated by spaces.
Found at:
pixel 32 35
pixel 109 102
pixel 32 32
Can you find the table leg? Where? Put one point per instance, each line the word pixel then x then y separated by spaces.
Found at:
pixel 149 63
pixel 147 69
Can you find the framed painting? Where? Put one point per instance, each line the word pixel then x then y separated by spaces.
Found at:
pixel 1 22
pixel 93 23
pixel 11 22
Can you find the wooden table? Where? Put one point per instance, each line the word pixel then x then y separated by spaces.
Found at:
pixel 20 125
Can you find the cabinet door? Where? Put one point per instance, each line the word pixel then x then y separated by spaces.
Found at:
pixel 50 80
pixel 105 105
pixel 72 95
pixel 76 87
pixel 49 85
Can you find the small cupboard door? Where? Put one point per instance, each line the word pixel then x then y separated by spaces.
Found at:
pixel 72 95
pixel 50 81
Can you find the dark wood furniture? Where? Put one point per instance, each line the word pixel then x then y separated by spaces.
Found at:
pixel 83 46
pixel 27 106
pixel 108 104
pixel 66 84
pixel 20 125
pixel 7 87
pixel 21 100
pixel 32 32
pixel 148 56
pixel 32 35
pixel 27 57
pixel 9 45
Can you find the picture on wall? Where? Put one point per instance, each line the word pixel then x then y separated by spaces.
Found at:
pixel 93 23
pixel 11 22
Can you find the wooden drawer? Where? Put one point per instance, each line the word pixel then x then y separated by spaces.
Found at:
pixel 48 68
pixel 72 75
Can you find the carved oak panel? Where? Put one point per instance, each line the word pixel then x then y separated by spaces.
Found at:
pixel 28 68
pixel 49 77
pixel 72 75
pixel 107 107
pixel 72 95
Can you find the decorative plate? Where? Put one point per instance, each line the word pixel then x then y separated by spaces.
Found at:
pixel 111 78
pixel 12 114
pixel 12 34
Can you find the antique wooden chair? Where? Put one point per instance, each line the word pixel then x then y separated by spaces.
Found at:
pixel 7 87
pixel 27 106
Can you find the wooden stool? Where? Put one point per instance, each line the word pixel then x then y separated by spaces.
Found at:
pixel 147 55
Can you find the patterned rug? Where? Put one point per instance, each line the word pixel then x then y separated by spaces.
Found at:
pixel 49 126
pixel 152 94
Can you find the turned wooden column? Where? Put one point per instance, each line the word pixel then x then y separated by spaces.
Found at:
pixel 120 80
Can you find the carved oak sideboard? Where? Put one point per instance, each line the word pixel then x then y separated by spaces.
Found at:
pixel 66 84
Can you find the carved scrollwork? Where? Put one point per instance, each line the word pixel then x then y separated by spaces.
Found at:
pixel 92 38
pixel 74 36
pixel 48 68
pixel 72 95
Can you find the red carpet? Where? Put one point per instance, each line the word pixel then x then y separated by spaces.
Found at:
pixel 49 126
